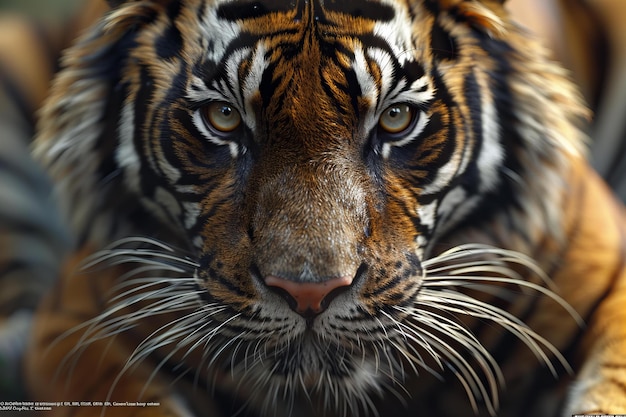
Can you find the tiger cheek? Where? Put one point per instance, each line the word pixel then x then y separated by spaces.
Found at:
pixel 393 259
pixel 224 267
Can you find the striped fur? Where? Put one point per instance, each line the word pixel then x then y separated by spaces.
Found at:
pixel 486 258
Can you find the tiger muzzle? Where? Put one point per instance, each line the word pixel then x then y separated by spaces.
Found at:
pixel 308 229
pixel 308 298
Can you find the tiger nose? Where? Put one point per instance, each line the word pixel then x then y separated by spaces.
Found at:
pixel 306 297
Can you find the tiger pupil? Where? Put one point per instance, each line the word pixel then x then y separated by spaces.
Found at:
pixel 222 117
pixel 395 112
pixel 396 118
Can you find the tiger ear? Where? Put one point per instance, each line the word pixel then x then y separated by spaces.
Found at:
pixel 485 15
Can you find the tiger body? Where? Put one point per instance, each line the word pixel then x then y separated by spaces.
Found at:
pixel 327 208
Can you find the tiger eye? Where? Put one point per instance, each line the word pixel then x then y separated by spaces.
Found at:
pixel 222 117
pixel 396 118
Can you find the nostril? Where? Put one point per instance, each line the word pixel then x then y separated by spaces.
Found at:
pixel 307 297
pixel 293 304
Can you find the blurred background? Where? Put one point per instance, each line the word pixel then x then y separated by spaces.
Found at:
pixel 587 36
pixel 44 9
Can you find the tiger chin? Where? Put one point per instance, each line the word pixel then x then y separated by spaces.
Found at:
pixel 326 208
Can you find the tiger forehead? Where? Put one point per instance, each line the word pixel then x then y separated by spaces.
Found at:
pixel 319 10
pixel 308 62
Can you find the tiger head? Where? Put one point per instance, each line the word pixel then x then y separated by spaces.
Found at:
pixel 311 155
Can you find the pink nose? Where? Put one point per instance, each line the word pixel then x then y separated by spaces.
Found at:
pixel 308 296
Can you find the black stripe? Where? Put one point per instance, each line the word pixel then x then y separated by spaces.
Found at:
pixel 228 282
pixel 141 101
pixel 376 42
pixel 407 157
pixel 443 45
pixel 505 197
pixel 247 9
pixel 613 365
pixel 268 86
pixel 369 10
pixel 173 108
pixel 618 383
pixel 170 43
pixel 470 179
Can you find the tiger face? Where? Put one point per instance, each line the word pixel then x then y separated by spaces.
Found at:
pixel 311 167
pixel 314 157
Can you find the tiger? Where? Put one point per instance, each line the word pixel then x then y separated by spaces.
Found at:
pixel 325 208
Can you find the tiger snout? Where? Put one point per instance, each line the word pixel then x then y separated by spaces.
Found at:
pixel 309 230
pixel 308 298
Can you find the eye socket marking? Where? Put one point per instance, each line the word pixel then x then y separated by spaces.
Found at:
pixel 399 125
pixel 221 124
pixel 221 117
pixel 397 118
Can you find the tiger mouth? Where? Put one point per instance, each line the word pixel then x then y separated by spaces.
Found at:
pixel 311 358
pixel 266 349
pixel 305 369
pixel 307 365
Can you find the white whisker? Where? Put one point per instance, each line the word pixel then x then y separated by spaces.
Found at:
pixel 433 323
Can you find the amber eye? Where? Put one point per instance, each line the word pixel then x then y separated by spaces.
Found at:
pixel 396 118
pixel 221 116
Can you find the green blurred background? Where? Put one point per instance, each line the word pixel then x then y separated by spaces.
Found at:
pixel 44 9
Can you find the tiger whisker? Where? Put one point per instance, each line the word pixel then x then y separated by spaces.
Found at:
pixel 209 337
pixel 97 330
pixel 190 323
pixel 411 359
pixel 457 332
pixel 169 288
pixel 463 371
pixel 157 368
pixel 432 319
pixel 104 333
pixel 173 303
pixel 392 364
pixel 112 310
pixel 178 332
pixel 217 309
pixel 144 349
pixel 461 281
pixel 175 296
pixel 466 339
pixel 408 334
pixel 141 272
pixel 116 254
pixel 477 309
